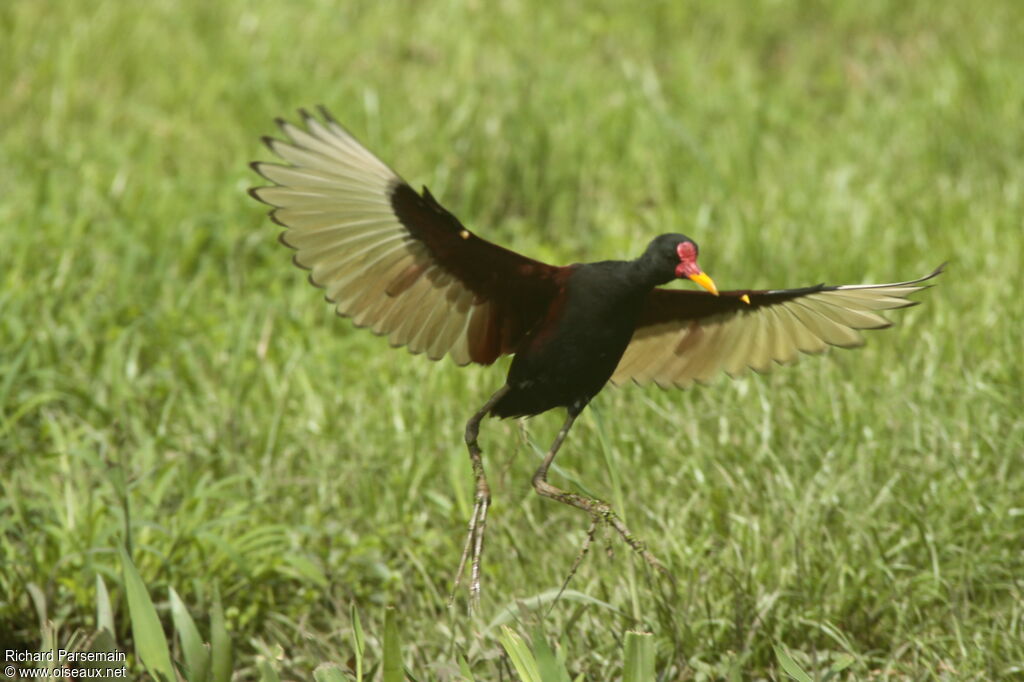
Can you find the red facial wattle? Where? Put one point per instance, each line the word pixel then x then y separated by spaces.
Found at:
pixel 687 252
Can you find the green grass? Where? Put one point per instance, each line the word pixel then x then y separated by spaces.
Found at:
pixel 164 368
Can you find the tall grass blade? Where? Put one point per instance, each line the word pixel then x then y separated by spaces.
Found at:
pixel 639 658
pixel 511 611
pixel 790 666
pixel 392 648
pixel 467 674
pixel 357 641
pixel 196 652
pixel 104 612
pixel 547 663
pixel 221 655
pixel 38 601
pixel 150 643
pixel 520 655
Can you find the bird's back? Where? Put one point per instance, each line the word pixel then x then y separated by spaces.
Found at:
pixel 573 352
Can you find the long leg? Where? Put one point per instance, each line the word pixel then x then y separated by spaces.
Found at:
pixel 478 520
pixel 596 508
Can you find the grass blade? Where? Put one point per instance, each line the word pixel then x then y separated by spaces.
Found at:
pixel 357 641
pixel 196 652
pixel 511 611
pixel 220 643
pixel 39 601
pixel 267 673
pixel 329 672
pixel 839 665
pixel 639 663
pixel 790 666
pixel 547 664
pixel 150 642
pixel 521 656
pixel 467 674
pixel 104 612
pixel 392 648
pixel 102 641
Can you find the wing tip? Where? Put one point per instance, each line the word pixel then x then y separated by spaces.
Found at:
pixel 254 193
pixel 273 217
pixel 269 142
pixel 326 114
pixel 859 343
pixel 932 275
pixel 311 279
pixel 282 239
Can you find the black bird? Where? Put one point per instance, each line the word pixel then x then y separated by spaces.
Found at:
pixel 396 261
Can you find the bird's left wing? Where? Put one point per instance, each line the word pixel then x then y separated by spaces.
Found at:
pixel 684 336
pixel 395 260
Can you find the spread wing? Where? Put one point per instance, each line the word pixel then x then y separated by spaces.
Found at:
pixel 395 260
pixel 686 336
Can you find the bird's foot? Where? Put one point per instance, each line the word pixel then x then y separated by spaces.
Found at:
pixel 603 512
pixel 609 517
pixel 473 550
pixel 587 541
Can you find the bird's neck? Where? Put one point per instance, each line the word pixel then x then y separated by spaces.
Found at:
pixel 645 276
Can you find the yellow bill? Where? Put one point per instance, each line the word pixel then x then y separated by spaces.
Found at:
pixel 702 280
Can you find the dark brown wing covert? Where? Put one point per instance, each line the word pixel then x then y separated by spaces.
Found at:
pixel 392 259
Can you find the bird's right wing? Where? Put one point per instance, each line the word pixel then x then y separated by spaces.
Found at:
pixel 395 260
pixel 685 336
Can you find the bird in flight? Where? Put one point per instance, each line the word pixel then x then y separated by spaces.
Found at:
pixel 396 261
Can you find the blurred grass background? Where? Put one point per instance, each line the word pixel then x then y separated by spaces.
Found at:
pixel 164 368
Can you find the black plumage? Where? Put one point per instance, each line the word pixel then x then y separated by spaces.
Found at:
pixel 396 261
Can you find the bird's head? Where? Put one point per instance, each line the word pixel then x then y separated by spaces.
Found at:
pixel 678 253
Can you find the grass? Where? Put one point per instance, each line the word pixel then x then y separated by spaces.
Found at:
pixel 167 379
